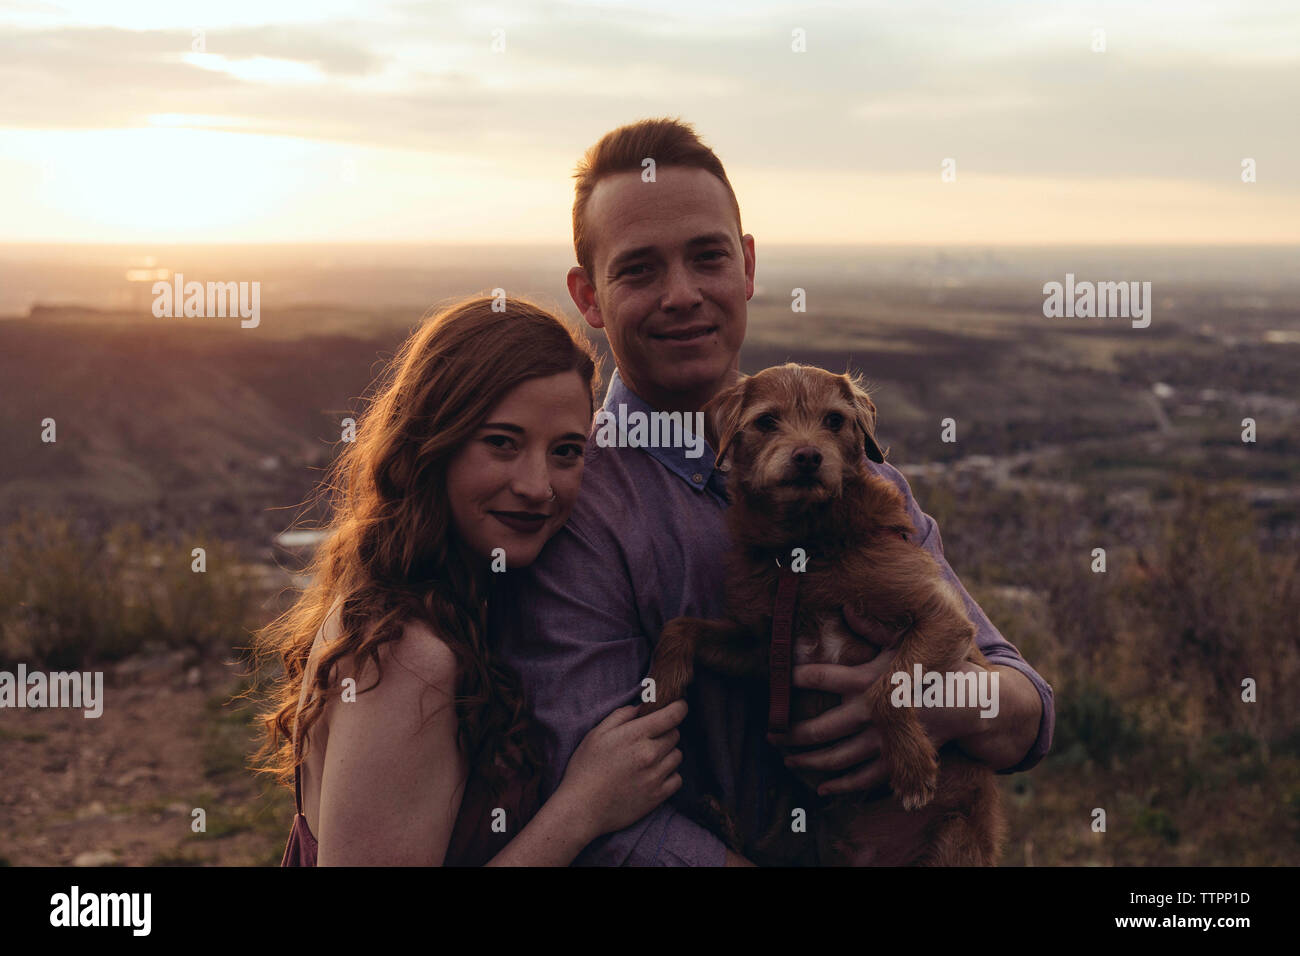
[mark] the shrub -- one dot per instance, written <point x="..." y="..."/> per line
<point x="1089" y="717"/>
<point x="70" y="598"/>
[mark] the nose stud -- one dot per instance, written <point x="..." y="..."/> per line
<point x="552" y="491"/>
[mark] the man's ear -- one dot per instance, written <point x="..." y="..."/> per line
<point x="864" y="418"/>
<point x="583" y="293"/>
<point x="722" y="415"/>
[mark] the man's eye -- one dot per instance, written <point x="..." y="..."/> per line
<point x="834" y="421"/>
<point x="765" y="422"/>
<point x="717" y="253"/>
<point x="628" y="270"/>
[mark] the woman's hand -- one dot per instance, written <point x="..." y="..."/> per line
<point x="624" y="768"/>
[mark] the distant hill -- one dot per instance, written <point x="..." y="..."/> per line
<point x="173" y="417"/>
<point x="178" y="422"/>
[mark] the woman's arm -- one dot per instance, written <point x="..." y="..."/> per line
<point x="624" y="768"/>
<point x="552" y="838"/>
<point x="393" y="776"/>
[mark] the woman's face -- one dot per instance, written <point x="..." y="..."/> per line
<point x="500" y="482"/>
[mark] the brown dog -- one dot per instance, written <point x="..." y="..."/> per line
<point x="795" y="436"/>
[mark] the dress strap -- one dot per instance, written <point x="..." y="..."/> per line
<point x="297" y="771"/>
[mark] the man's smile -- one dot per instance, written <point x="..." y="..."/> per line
<point x="689" y="334"/>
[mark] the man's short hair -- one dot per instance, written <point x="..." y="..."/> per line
<point x="669" y="142"/>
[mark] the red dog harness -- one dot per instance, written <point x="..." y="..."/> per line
<point x="778" y="699"/>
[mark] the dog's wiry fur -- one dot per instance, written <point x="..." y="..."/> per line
<point x="794" y="439"/>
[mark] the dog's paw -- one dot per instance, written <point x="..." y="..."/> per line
<point x="915" y="786"/>
<point x="917" y="799"/>
<point x="671" y="671"/>
<point x="670" y="679"/>
<point x="668" y="687"/>
<point x="650" y="706"/>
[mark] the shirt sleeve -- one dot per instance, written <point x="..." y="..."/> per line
<point x="573" y="631"/>
<point x="991" y="643"/>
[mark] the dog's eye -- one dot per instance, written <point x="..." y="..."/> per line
<point x="834" y="421"/>
<point x="765" y="422"/>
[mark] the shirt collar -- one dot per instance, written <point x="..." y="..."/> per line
<point x="699" y="473"/>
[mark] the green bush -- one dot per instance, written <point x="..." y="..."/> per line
<point x="70" y="598"/>
<point x="1090" y="718"/>
<point x="1158" y="823"/>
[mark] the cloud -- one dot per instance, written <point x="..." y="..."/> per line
<point x="1007" y="90"/>
<point x="333" y="52"/>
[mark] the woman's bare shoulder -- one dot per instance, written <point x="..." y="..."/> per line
<point x="417" y="658"/>
<point x="424" y="655"/>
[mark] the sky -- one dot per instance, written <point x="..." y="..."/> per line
<point x="268" y="121"/>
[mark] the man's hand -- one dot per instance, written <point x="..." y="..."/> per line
<point x="846" y="739"/>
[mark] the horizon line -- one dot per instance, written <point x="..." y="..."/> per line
<point x="460" y="244"/>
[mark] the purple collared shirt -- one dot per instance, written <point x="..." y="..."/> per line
<point x="645" y="544"/>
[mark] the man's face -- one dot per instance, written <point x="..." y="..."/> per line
<point x="672" y="279"/>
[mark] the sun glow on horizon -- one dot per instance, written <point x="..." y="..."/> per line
<point x="228" y="121"/>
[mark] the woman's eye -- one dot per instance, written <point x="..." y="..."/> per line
<point x="500" y="441"/>
<point x="834" y="421"/>
<point x="570" y="452"/>
<point x="765" y="423"/>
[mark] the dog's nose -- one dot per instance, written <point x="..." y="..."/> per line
<point x="807" y="459"/>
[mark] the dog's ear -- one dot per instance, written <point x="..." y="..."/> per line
<point x="864" y="419"/>
<point x="722" y="414"/>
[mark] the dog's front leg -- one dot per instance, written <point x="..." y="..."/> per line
<point x="907" y="749"/>
<point x="720" y="645"/>
<point x="730" y="649"/>
<point x="674" y="663"/>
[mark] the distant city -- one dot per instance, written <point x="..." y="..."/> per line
<point x="366" y="276"/>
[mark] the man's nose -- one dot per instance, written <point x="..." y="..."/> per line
<point x="682" y="291"/>
<point x="807" y="459"/>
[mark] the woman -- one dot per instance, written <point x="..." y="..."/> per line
<point x="415" y="744"/>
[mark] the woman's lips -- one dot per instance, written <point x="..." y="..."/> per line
<point x="520" y="521"/>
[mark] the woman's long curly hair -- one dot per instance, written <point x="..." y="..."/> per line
<point x="392" y="554"/>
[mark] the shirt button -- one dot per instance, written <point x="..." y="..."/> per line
<point x="697" y="478"/>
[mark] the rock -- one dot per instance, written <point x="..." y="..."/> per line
<point x="134" y="775"/>
<point x="152" y="668"/>
<point x="93" y="809"/>
<point x="96" y="858"/>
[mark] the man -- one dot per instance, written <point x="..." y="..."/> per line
<point x="665" y="270"/>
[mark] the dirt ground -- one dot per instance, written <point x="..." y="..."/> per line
<point x="121" y="789"/>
